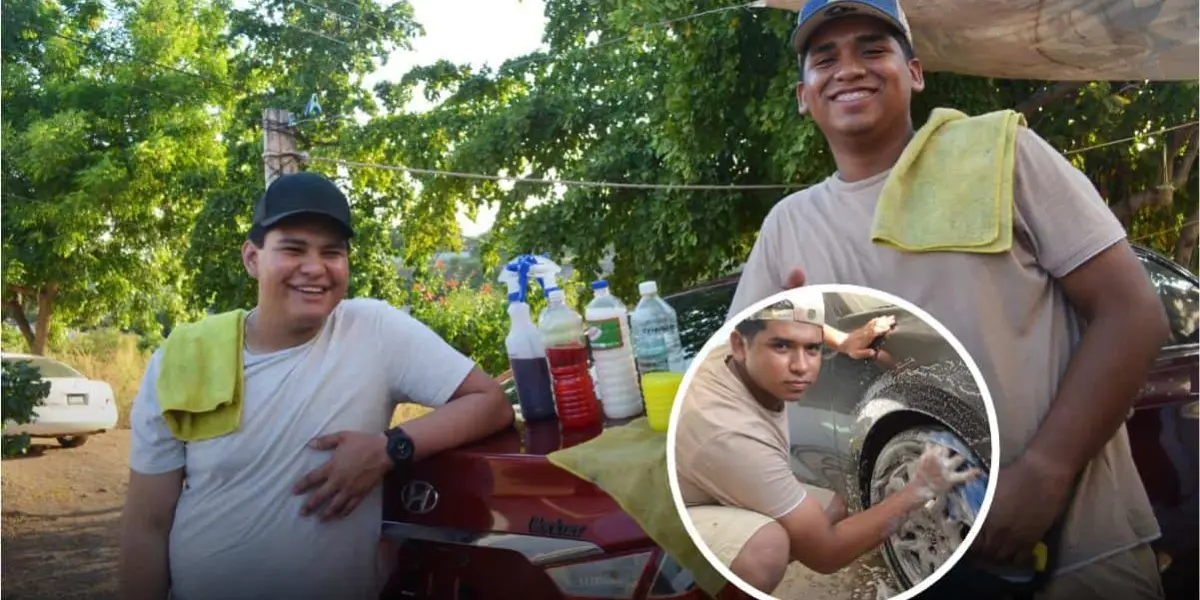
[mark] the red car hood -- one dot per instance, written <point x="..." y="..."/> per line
<point x="505" y="484"/>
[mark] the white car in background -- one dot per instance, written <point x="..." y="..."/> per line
<point x="76" y="407"/>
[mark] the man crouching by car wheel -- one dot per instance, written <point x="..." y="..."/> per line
<point x="732" y="461"/>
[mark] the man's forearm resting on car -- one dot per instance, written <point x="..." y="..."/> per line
<point x="144" y="569"/>
<point x="476" y="410"/>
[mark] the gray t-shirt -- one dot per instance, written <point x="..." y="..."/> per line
<point x="238" y="533"/>
<point x="1008" y="310"/>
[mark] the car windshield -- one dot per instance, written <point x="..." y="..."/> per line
<point x="701" y="313"/>
<point x="48" y="368"/>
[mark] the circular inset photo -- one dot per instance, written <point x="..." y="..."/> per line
<point x="832" y="442"/>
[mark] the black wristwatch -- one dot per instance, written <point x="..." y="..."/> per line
<point x="399" y="447"/>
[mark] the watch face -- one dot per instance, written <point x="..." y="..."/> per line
<point x="401" y="448"/>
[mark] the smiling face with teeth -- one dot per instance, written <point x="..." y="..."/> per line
<point x="302" y="270"/>
<point x="858" y="82"/>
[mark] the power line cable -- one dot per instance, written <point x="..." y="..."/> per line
<point x="1167" y="230"/>
<point x="640" y="186"/>
<point x="564" y="182"/>
<point x="135" y="58"/>
<point x="1130" y="138"/>
<point x="643" y="27"/>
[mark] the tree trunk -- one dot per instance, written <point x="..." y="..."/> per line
<point x="1188" y="236"/>
<point x="1175" y="171"/>
<point x="1048" y="95"/>
<point x="45" y="304"/>
<point x="16" y="310"/>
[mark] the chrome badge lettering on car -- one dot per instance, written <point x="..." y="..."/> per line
<point x="419" y="497"/>
<point x="540" y="526"/>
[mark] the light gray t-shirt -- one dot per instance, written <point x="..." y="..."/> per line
<point x="238" y="533"/>
<point x="1008" y="310"/>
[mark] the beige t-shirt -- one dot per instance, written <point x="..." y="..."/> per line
<point x="1008" y="310"/>
<point x="729" y="449"/>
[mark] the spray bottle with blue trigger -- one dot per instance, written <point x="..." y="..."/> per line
<point x="526" y="351"/>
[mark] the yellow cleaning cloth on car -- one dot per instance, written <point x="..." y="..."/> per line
<point x="952" y="188"/>
<point x="629" y="463"/>
<point x="200" y="377"/>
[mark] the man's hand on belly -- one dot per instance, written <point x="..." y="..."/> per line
<point x="358" y="464"/>
<point x="1030" y="494"/>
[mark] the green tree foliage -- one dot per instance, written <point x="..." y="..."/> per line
<point x="22" y="390"/>
<point x="284" y="52"/>
<point x="109" y="148"/>
<point x="133" y="136"/>
<point x="711" y="100"/>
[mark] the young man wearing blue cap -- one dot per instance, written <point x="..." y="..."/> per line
<point x="286" y="502"/>
<point x="1064" y="325"/>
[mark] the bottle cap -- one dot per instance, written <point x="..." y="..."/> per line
<point x="648" y="287"/>
<point x="600" y="285"/>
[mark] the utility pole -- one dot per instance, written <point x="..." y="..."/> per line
<point x="280" y="156"/>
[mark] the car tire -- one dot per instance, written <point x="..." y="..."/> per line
<point x="72" y="441"/>
<point x="929" y="537"/>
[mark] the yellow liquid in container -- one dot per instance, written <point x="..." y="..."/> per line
<point x="658" y="391"/>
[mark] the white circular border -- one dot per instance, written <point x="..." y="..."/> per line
<point x="723" y="333"/>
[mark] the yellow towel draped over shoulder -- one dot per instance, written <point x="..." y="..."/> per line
<point x="200" y="377"/>
<point x="952" y="188"/>
<point x="629" y="463"/>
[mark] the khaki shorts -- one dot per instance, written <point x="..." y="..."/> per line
<point x="1129" y="575"/>
<point x="725" y="529"/>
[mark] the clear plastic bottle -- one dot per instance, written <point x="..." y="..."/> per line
<point x="612" y="353"/>
<point x="527" y="358"/>
<point x="655" y="333"/>
<point x="566" y="348"/>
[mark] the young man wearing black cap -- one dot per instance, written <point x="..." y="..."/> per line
<point x="733" y="462"/>
<point x="287" y="504"/>
<point x="1061" y="389"/>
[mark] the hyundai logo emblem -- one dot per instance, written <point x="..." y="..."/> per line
<point x="419" y="497"/>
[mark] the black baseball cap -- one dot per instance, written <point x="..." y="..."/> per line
<point x="818" y="12"/>
<point x="302" y="193"/>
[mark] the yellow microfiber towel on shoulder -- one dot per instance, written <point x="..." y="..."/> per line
<point x="200" y="377"/>
<point x="952" y="188"/>
<point x="629" y="463"/>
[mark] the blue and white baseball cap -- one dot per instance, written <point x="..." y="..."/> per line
<point x="818" y="12"/>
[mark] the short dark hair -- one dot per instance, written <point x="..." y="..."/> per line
<point x="748" y="328"/>
<point x="257" y="235"/>
<point x="906" y="49"/>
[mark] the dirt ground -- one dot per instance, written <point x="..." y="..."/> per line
<point x="62" y="512"/>
<point x="865" y="579"/>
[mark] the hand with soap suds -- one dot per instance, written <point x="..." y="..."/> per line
<point x="937" y="472"/>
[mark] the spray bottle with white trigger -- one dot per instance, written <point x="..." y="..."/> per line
<point x="526" y="352"/>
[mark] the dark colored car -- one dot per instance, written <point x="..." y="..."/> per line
<point x="480" y="521"/>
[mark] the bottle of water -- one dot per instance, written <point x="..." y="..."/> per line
<point x="612" y="354"/>
<point x="656" y="333"/>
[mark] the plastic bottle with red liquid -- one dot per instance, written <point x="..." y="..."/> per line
<point x="566" y="348"/>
